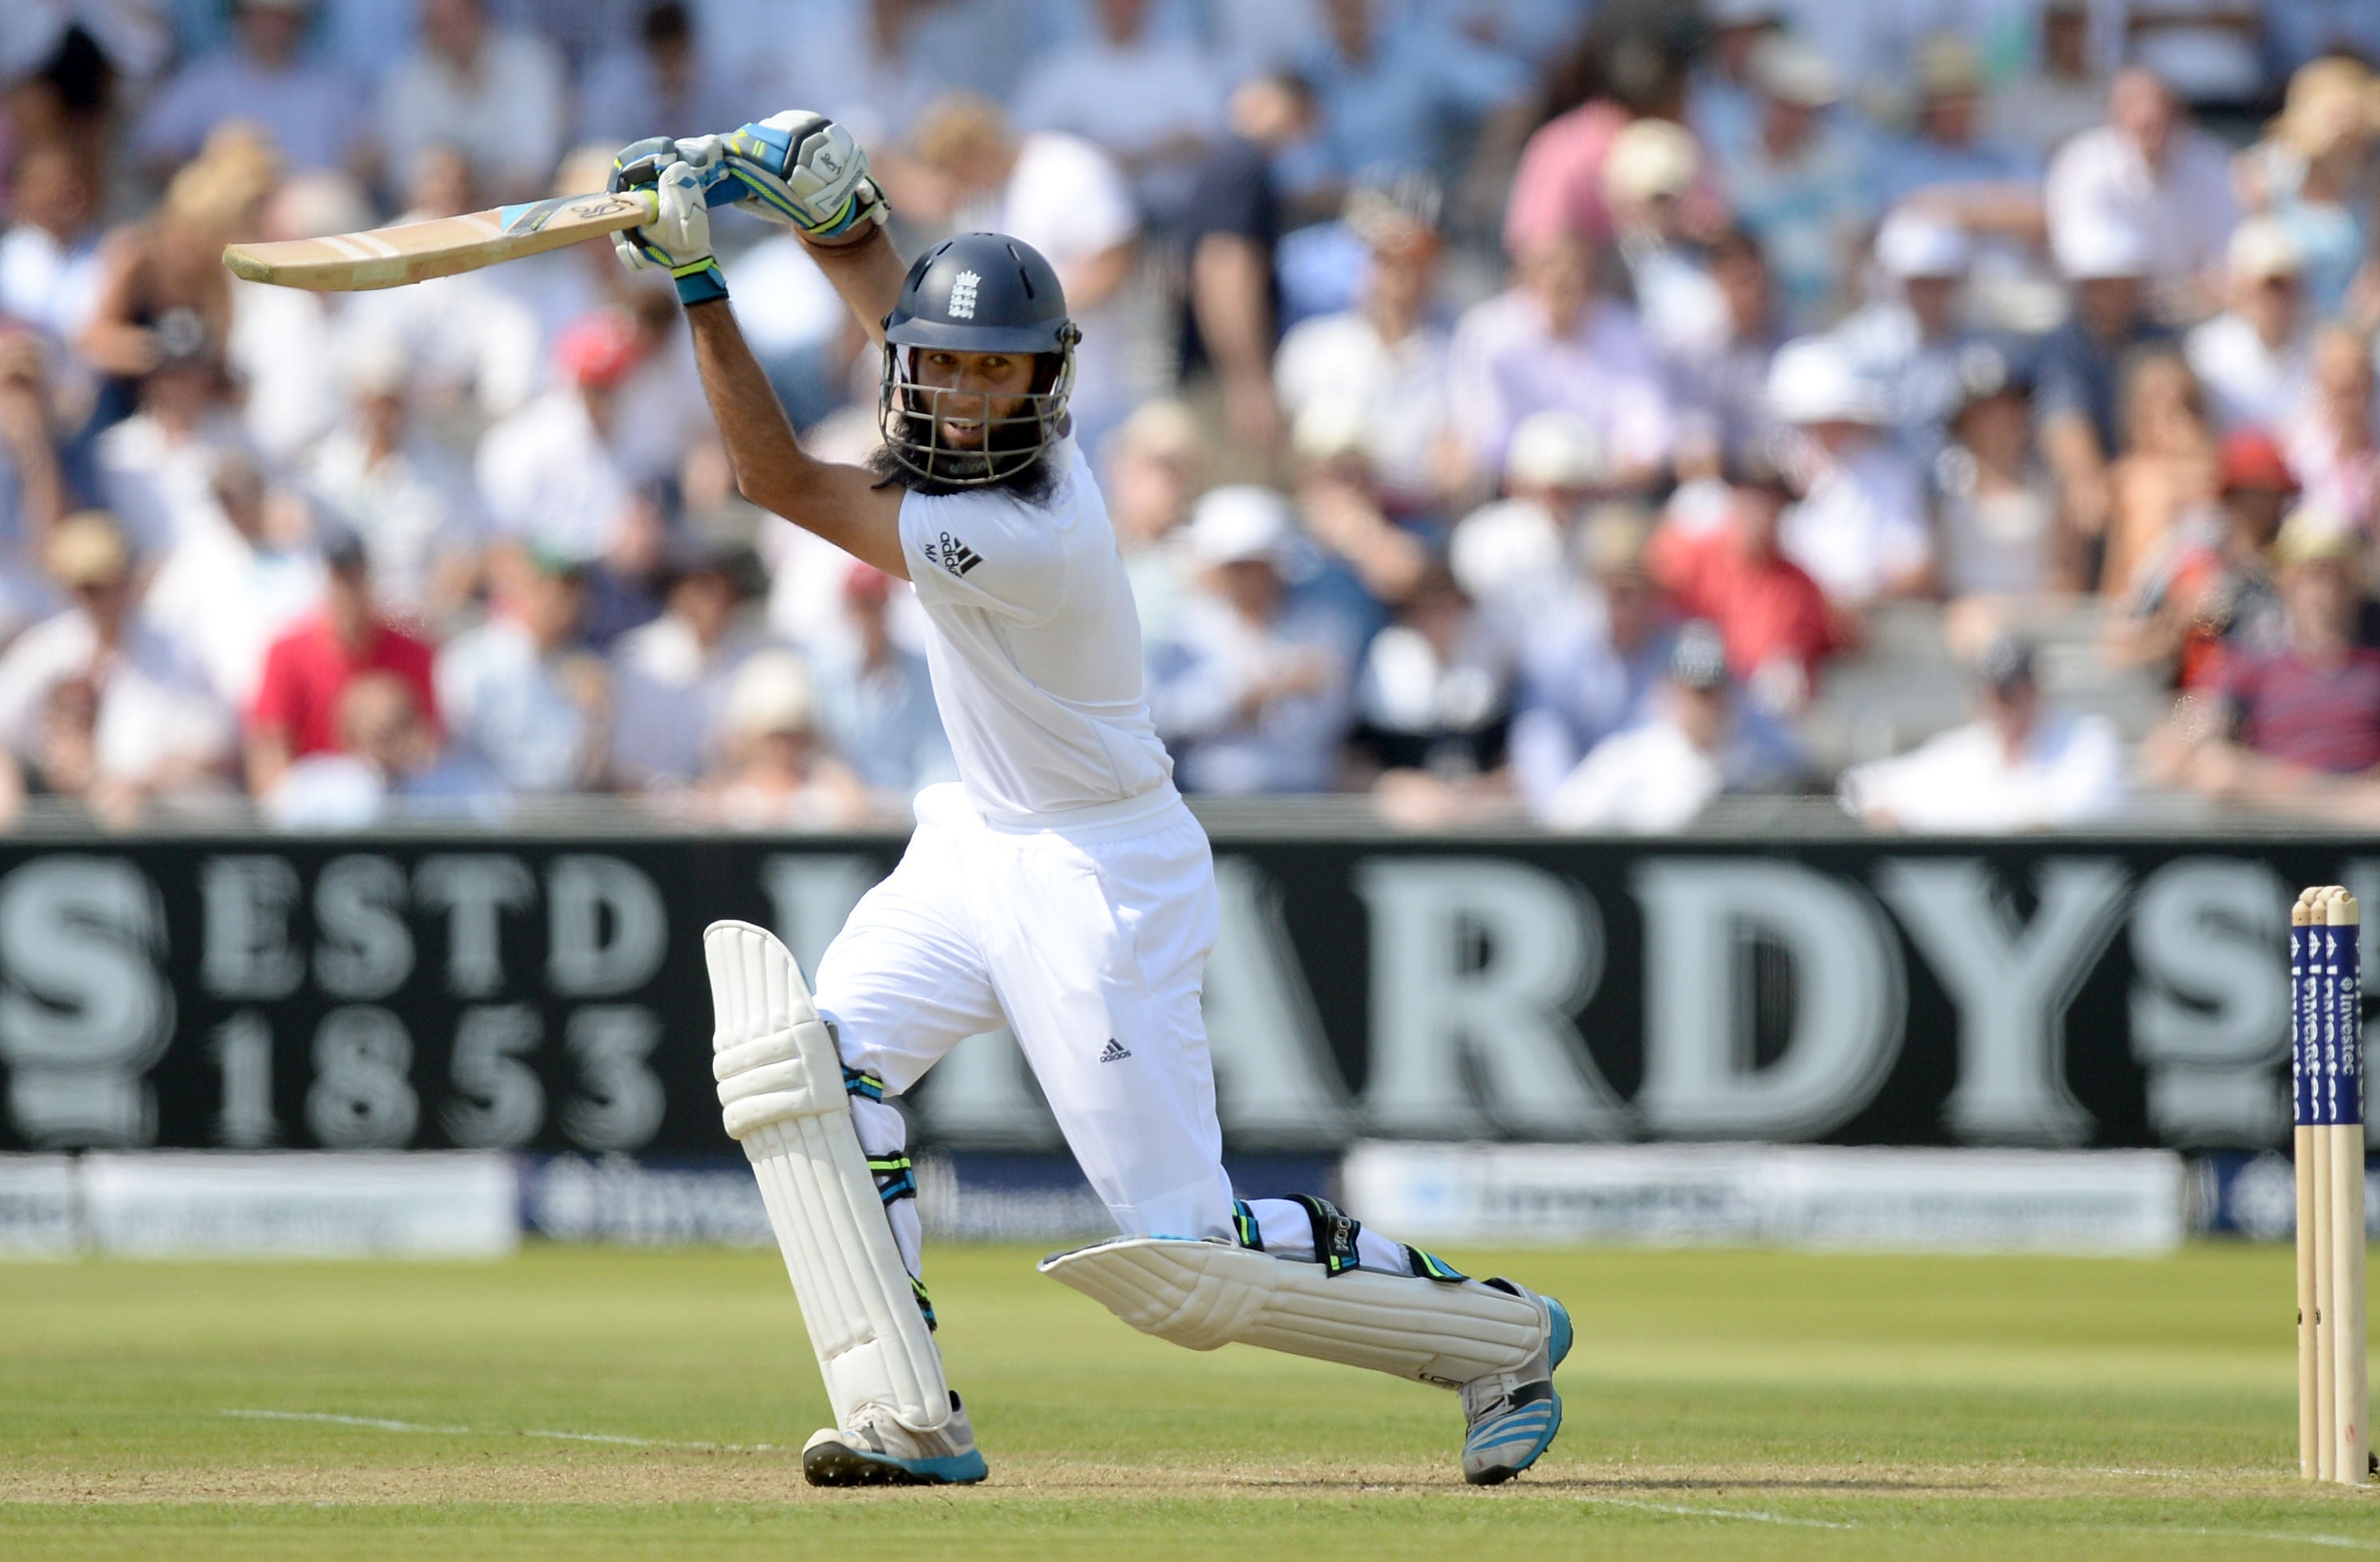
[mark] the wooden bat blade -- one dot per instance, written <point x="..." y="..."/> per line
<point x="357" y="262"/>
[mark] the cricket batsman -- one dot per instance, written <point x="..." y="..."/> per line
<point x="1058" y="887"/>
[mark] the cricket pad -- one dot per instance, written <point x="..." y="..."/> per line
<point x="781" y="1088"/>
<point x="1204" y="1295"/>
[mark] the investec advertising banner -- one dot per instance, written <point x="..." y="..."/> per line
<point x="550" y="995"/>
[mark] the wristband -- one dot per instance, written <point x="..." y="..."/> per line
<point x="699" y="283"/>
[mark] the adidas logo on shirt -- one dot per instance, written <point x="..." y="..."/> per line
<point x="1112" y="1052"/>
<point x="952" y="554"/>
<point x="963" y="294"/>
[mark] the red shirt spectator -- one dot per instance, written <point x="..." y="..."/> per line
<point x="1769" y="613"/>
<point x="295" y="711"/>
<point x="306" y="670"/>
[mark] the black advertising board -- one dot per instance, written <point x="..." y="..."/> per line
<point x="548" y="995"/>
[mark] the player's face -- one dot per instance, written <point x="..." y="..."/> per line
<point x="979" y="390"/>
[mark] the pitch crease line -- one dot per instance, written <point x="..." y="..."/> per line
<point x="1748" y="1514"/>
<point x="376" y="1423"/>
<point x="381" y="1423"/>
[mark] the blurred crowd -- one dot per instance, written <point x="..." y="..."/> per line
<point x="1564" y="409"/>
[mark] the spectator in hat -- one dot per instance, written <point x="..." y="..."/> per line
<point x="2168" y="471"/>
<point x="1322" y="266"/>
<point x="876" y="702"/>
<point x="1519" y="544"/>
<point x="1719" y="387"/>
<point x="1954" y="166"/>
<point x="2254" y="358"/>
<point x="2208" y="596"/>
<point x="1995" y="512"/>
<point x="1912" y="341"/>
<point x="2312" y="176"/>
<point x="669" y="678"/>
<point x="2078" y="366"/>
<point x="1252" y="694"/>
<point x="2150" y="171"/>
<point x="1649" y="181"/>
<point x="1859" y="527"/>
<point x="308" y="669"/>
<point x="391" y="762"/>
<point x="547" y="474"/>
<point x="2333" y="435"/>
<point x="521" y="693"/>
<point x="1588" y="652"/>
<point x="2061" y="92"/>
<point x="235" y="581"/>
<point x="412" y="504"/>
<point x="2285" y="723"/>
<point x="2021" y="765"/>
<point x="776" y="771"/>
<point x="1773" y="621"/>
<point x="306" y="106"/>
<point x="496" y="93"/>
<point x="1384" y="360"/>
<point x="1802" y="185"/>
<point x="1555" y="342"/>
<point x="1235" y="218"/>
<point x="149" y="721"/>
<point x="1654" y="779"/>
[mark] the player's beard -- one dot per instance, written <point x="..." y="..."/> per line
<point x="950" y="471"/>
<point x="934" y="465"/>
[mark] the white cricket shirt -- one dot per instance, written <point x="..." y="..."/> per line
<point x="1034" y="646"/>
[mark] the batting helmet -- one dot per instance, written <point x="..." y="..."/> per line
<point x="977" y="293"/>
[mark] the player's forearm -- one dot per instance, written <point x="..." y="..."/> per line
<point x="771" y="469"/>
<point x="867" y="274"/>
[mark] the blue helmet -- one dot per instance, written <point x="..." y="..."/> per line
<point x="977" y="293"/>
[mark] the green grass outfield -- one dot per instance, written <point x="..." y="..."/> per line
<point x="589" y="1403"/>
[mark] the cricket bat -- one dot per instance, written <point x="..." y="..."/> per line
<point x="355" y="262"/>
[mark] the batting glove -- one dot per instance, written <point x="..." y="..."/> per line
<point x="797" y="168"/>
<point x="678" y="239"/>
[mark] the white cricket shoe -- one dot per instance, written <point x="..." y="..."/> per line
<point x="1514" y="1415"/>
<point x="882" y="1452"/>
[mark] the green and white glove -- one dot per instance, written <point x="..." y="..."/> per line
<point x="678" y="239"/>
<point x="798" y="168"/>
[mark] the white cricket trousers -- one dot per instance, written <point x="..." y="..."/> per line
<point x="1090" y="942"/>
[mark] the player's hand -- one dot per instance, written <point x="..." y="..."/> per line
<point x="678" y="239"/>
<point x="640" y="164"/>
<point x="798" y="168"/>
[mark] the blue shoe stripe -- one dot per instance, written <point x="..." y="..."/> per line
<point x="1503" y="1432"/>
<point x="1529" y="1430"/>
